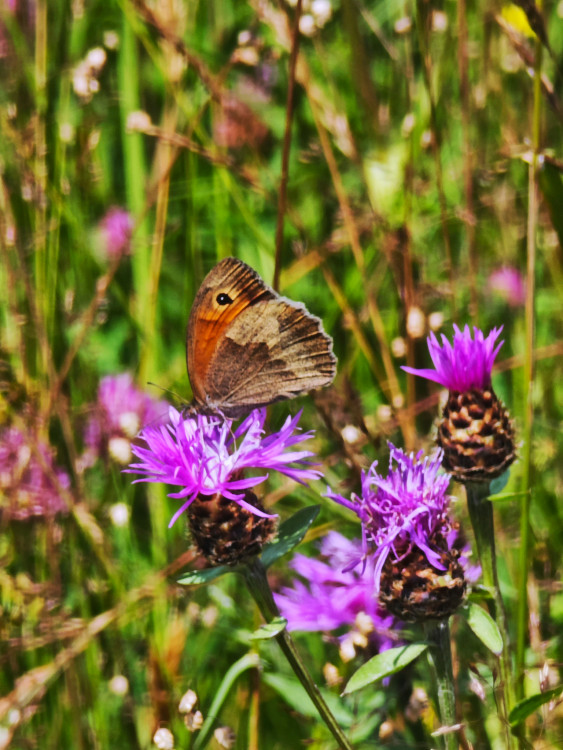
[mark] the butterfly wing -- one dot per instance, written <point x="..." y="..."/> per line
<point x="256" y="348"/>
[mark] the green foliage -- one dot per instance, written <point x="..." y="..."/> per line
<point x="484" y="627"/>
<point x="530" y="705"/>
<point x="383" y="665"/>
<point x="290" y="534"/>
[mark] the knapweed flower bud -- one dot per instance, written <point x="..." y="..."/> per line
<point x="163" y="739"/>
<point x="188" y="702"/>
<point x="193" y="721"/>
<point x="119" y="685"/>
<point x="476" y="432"/>
<point x="225" y="737"/>
<point x="236" y="125"/>
<point x="207" y="457"/>
<point x="226" y="533"/>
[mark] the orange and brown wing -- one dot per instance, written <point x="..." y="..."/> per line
<point x="249" y="347"/>
<point x="276" y="350"/>
<point x="225" y="292"/>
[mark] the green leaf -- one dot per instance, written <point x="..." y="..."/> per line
<point x="248" y="661"/>
<point x="290" y="534"/>
<point x="504" y="496"/>
<point x="383" y="665"/>
<point x="295" y="695"/>
<point x="497" y="485"/>
<point x="195" y="577"/>
<point x="551" y="185"/>
<point x="526" y="707"/>
<point x="270" y="630"/>
<point x="484" y="627"/>
<point x="480" y="593"/>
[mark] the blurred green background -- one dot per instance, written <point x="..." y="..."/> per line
<point x="416" y="127"/>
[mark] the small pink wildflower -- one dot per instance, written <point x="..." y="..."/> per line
<point x="30" y="484"/>
<point x="508" y="283"/>
<point x="122" y="410"/>
<point x="116" y="229"/>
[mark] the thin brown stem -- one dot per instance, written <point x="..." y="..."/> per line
<point x="87" y="321"/>
<point x="388" y="384"/>
<point x="423" y="29"/>
<point x="164" y="157"/>
<point x="287" y="143"/>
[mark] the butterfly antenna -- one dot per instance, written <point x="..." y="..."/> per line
<point x="172" y="393"/>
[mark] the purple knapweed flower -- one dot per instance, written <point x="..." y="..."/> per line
<point x="30" y="483"/>
<point x="465" y="365"/>
<point x="334" y="596"/>
<point x="508" y="283"/>
<point x="206" y="456"/>
<point x="475" y="433"/>
<point x="404" y="510"/>
<point x="122" y="410"/>
<point x="116" y="229"/>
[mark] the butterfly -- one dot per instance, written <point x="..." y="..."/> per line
<point x="248" y="347"/>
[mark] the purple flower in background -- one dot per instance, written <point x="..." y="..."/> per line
<point x="116" y="229"/>
<point x="334" y="596"/>
<point x="24" y="14"/>
<point x="122" y="410"/>
<point x="404" y="510"/>
<point x="508" y="283"/>
<point x="30" y="483"/>
<point x="206" y="456"/>
<point x="465" y="365"/>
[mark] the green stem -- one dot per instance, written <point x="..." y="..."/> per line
<point x="135" y="174"/>
<point x="481" y="514"/>
<point x="40" y="166"/>
<point x="440" y="655"/>
<point x="526" y="462"/>
<point x="255" y="576"/>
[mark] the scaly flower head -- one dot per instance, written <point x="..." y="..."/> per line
<point x="465" y="365"/>
<point x="403" y="510"/>
<point x="407" y="533"/>
<point x="476" y="433"/>
<point x="30" y="482"/>
<point x="333" y="595"/>
<point x="206" y="456"/>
